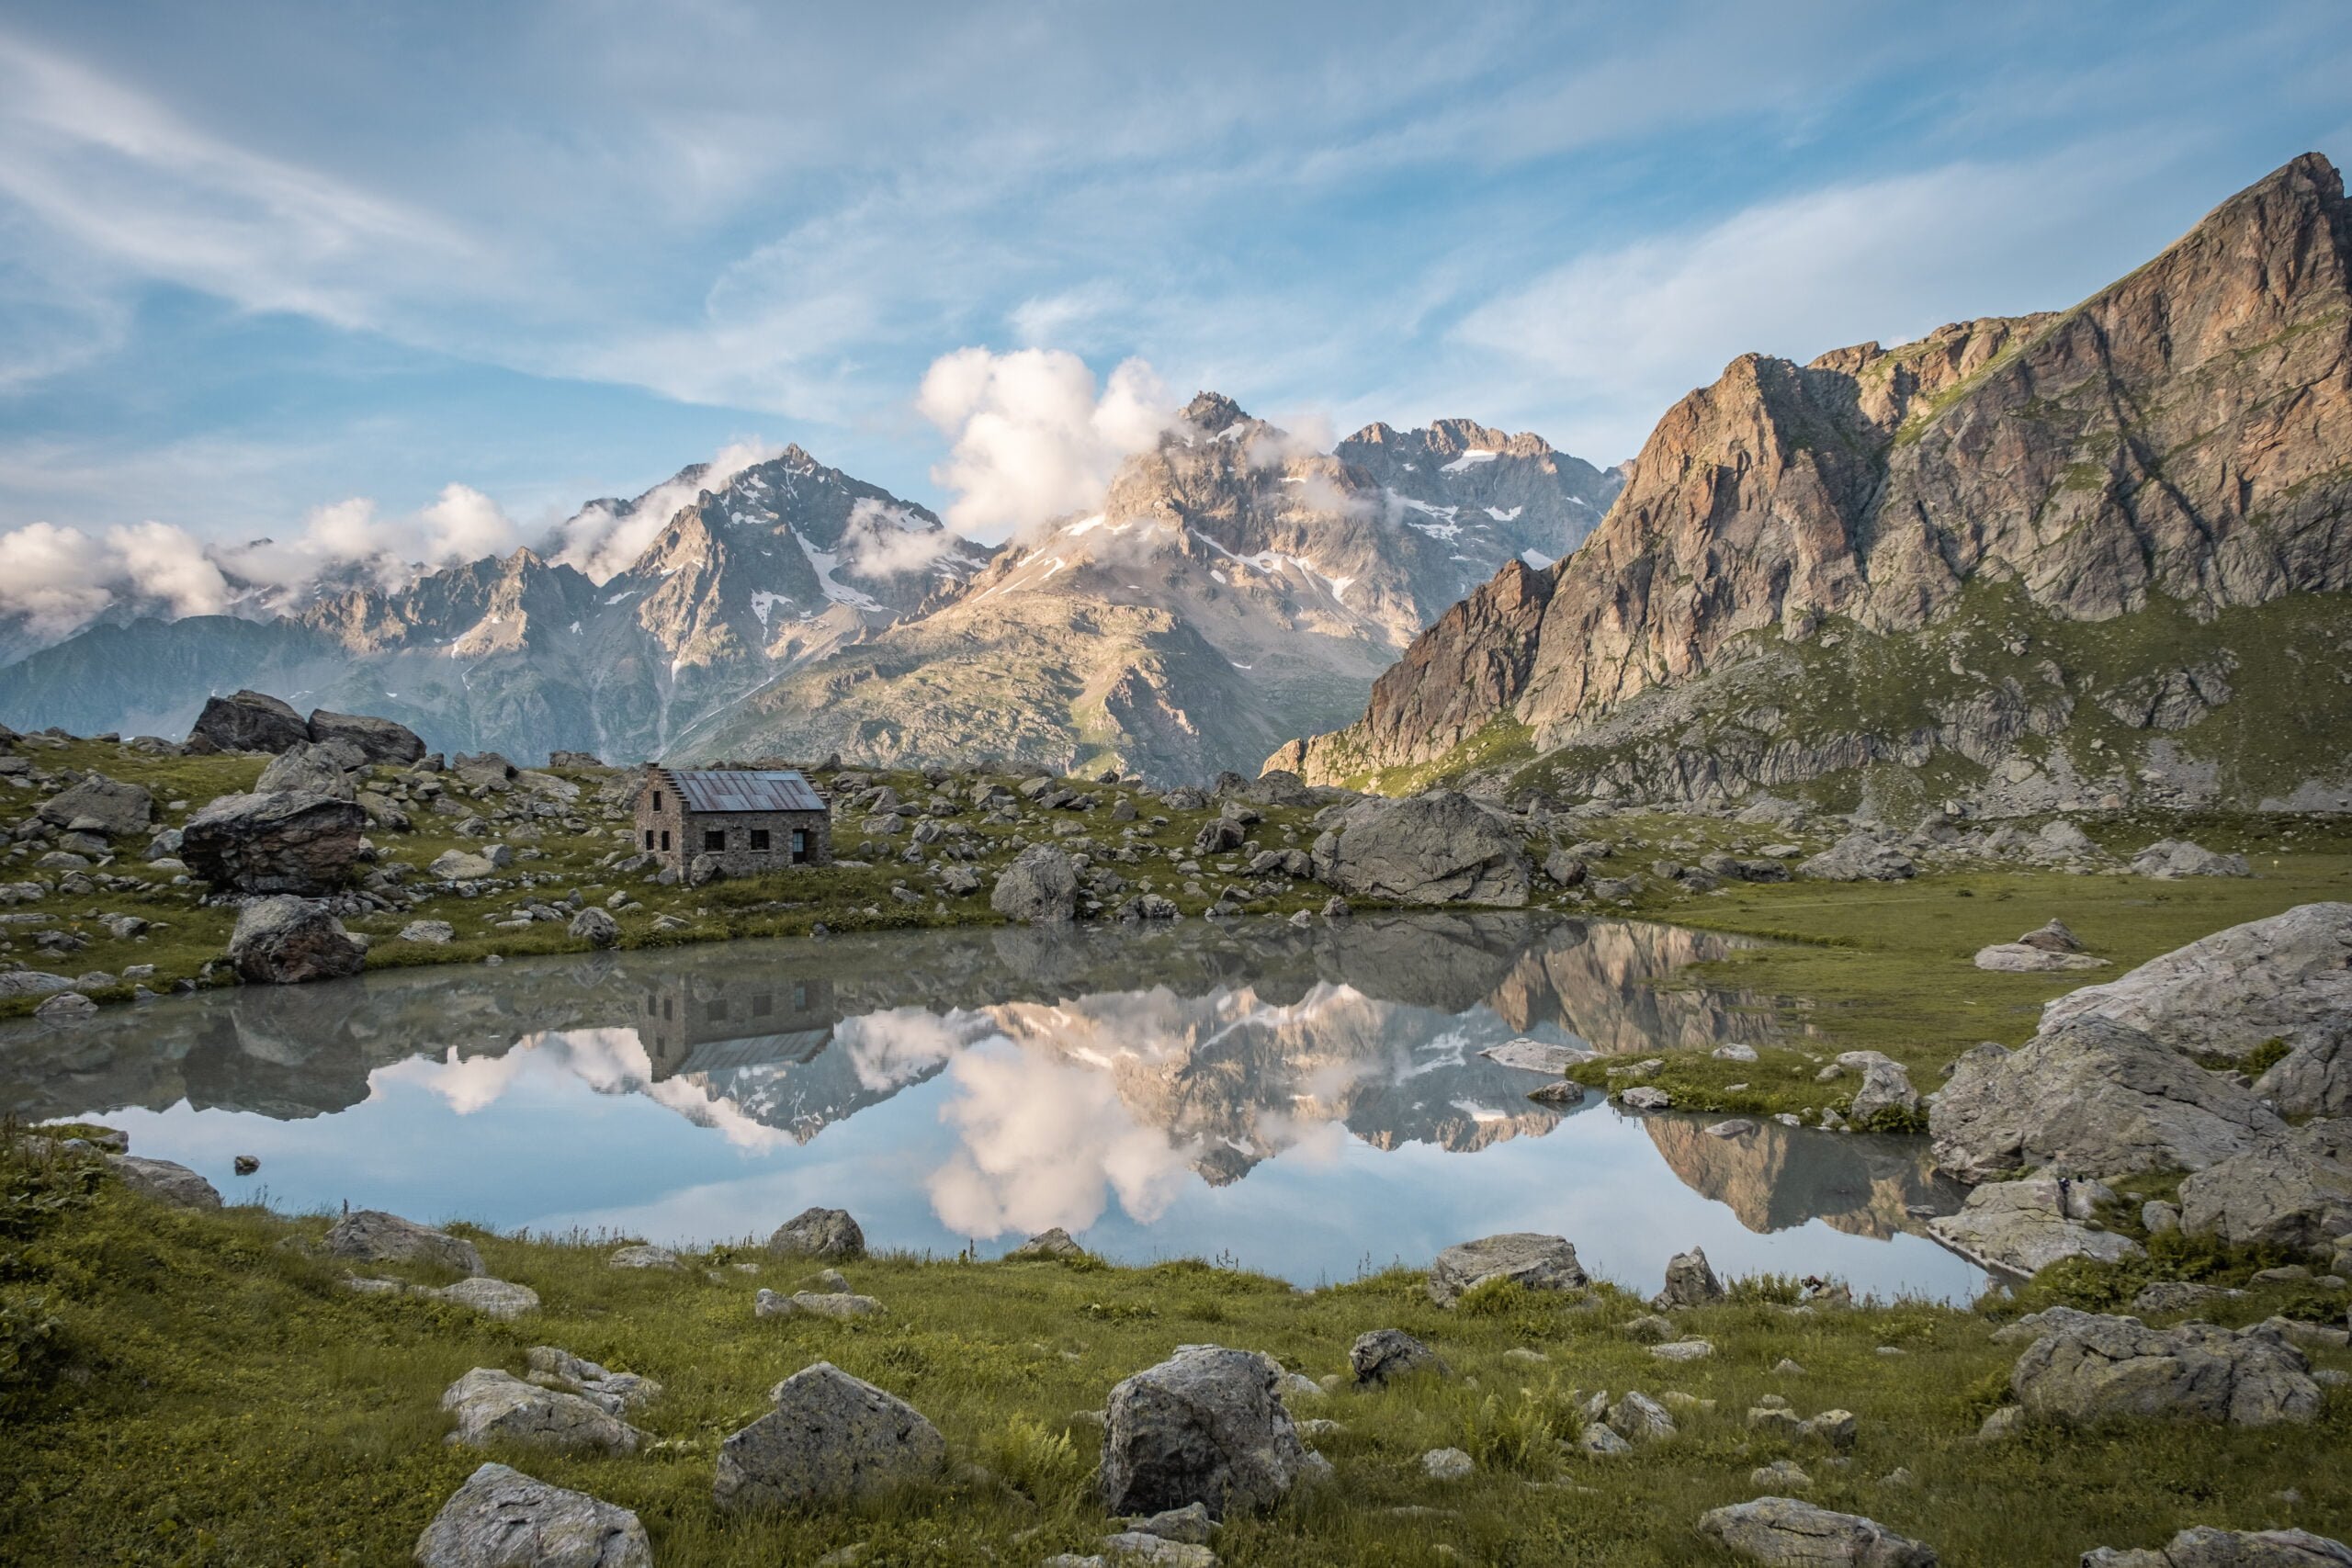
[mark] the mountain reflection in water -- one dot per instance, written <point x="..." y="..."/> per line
<point x="987" y="1085"/>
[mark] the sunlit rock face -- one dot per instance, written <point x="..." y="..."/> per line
<point x="1778" y="1177"/>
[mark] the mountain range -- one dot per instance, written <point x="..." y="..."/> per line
<point x="1237" y="588"/>
<point x="2092" y="556"/>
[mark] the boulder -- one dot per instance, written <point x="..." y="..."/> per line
<point x="1886" y="1088"/>
<point x="1040" y="888"/>
<point x="290" y="942"/>
<point x="2105" y="1097"/>
<point x="503" y="1519"/>
<point x="831" y="1438"/>
<point x="2022" y="1226"/>
<point x="1524" y="1257"/>
<point x="285" y="842"/>
<point x="99" y="805"/>
<point x="1206" y="1425"/>
<point x="595" y="927"/>
<point x="2089" y="1366"/>
<point x="2312" y="1080"/>
<point x="2024" y="958"/>
<point x="617" y="1391"/>
<point x="2206" y="1547"/>
<point x="164" y="1181"/>
<point x="1439" y="848"/>
<point x="1389" y="1353"/>
<point x="2169" y="858"/>
<point x="461" y="865"/>
<point x="2294" y="1190"/>
<point x="307" y="769"/>
<point x="495" y="1407"/>
<point x="1056" y="1243"/>
<point x="2287" y="977"/>
<point x="1689" y="1281"/>
<point x="247" y="721"/>
<point x="500" y="1299"/>
<point x="483" y="771"/>
<point x="1790" y="1532"/>
<point x="1858" y="857"/>
<point x="371" y="1236"/>
<point x="1638" y="1418"/>
<point x="433" y="932"/>
<point x="378" y="739"/>
<point x="641" y="1255"/>
<point x="829" y="1235"/>
<point x="836" y="1305"/>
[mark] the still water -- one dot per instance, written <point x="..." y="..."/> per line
<point x="1307" y="1102"/>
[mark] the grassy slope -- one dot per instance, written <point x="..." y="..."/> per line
<point x="210" y="1396"/>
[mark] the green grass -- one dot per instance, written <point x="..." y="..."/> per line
<point x="207" y="1393"/>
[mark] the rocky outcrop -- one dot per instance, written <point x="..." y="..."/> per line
<point x="2170" y="858"/>
<point x="1530" y="1261"/>
<point x="503" y="1519"/>
<point x="495" y="1408"/>
<point x="2206" y="1547"/>
<point x="831" y="1438"/>
<point x="1040" y="888"/>
<point x="371" y="1236"/>
<point x="1858" y="857"/>
<point x="1206" y="1425"/>
<point x="1689" y="1281"/>
<point x="290" y="942"/>
<point x="2087" y="1367"/>
<point x="378" y="739"/>
<point x="287" y="842"/>
<point x="306" y="769"/>
<point x="164" y="1181"/>
<point x="247" y="721"/>
<point x="2287" y="977"/>
<point x="1440" y="848"/>
<point x="828" y="1235"/>
<point x="1793" y="1534"/>
<point x="2023" y="1227"/>
<point x="2292" y="1191"/>
<point x="2127" y="453"/>
<point x="2097" y="1096"/>
<point x="99" y="805"/>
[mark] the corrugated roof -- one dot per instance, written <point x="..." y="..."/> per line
<point x="731" y="789"/>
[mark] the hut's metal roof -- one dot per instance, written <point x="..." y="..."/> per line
<point x="732" y="789"/>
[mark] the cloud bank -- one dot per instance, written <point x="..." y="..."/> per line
<point x="1034" y="436"/>
<point x="605" y="537"/>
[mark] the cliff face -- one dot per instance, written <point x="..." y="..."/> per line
<point x="2180" y="439"/>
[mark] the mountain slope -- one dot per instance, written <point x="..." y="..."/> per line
<point x="1235" y="587"/>
<point x="1959" y="551"/>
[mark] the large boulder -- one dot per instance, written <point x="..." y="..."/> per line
<point x="503" y="1519"/>
<point x="287" y="842"/>
<point x="1689" y="1281"/>
<point x="2312" y="1080"/>
<point x="1524" y="1257"/>
<point x="1858" y="857"/>
<point x="2294" y="1191"/>
<point x="2170" y="858"/>
<point x="1786" y="1530"/>
<point x="495" y="1407"/>
<point x="379" y="739"/>
<point x="247" y="721"/>
<point x="830" y="1236"/>
<point x="2089" y="1367"/>
<point x="2206" y="1547"/>
<point x="484" y="771"/>
<point x="1389" y="1353"/>
<point x="1440" y="848"/>
<point x="371" y="1236"/>
<point x="164" y="1181"/>
<point x="2287" y="977"/>
<point x="289" y="942"/>
<point x="1206" y="1425"/>
<point x="2023" y="1227"/>
<point x="2100" y="1097"/>
<point x="119" y="810"/>
<point x="1039" y="887"/>
<point x="830" y="1437"/>
<point x="308" y="770"/>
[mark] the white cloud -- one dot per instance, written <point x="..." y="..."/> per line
<point x="1034" y="439"/>
<point x="602" y="541"/>
<point x="889" y="541"/>
<point x="461" y="525"/>
<point x="61" y="577"/>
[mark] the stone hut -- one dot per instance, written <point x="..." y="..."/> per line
<point x="747" y="820"/>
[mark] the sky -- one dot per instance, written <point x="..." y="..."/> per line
<point x="409" y="282"/>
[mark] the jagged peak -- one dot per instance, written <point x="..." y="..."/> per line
<point x="1213" y="412"/>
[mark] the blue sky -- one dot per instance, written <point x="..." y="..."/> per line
<point x="259" y="259"/>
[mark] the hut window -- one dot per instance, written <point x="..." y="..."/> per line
<point x="657" y="800"/>
<point x="714" y="838"/>
<point x="759" y="838"/>
<point x="649" y="837"/>
<point x="665" y="840"/>
<point x="799" y="845"/>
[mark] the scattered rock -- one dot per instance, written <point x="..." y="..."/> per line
<point x="497" y="1407"/>
<point x="500" y="1299"/>
<point x="1642" y="1097"/>
<point x="164" y="1181"/>
<point x="1205" y="1426"/>
<point x="1438" y="848"/>
<point x="285" y="842"/>
<point x="1782" y="1473"/>
<point x="287" y="940"/>
<point x="247" y="721"/>
<point x="1386" y="1354"/>
<point x="2292" y="1191"/>
<point x="378" y="739"/>
<point x="1638" y="1418"/>
<point x="1536" y="1056"/>
<point x="461" y="865"/>
<point x="1447" y="1464"/>
<point x="1683" y="1351"/>
<point x="2206" y="1547"/>
<point x="1189" y="1525"/>
<point x="435" y="932"/>
<point x="595" y="927"/>
<point x="1689" y="1283"/>
<point x="829" y="1235"/>
<point x="1040" y="888"/>
<point x="1858" y="857"/>
<point x="371" y="1236"/>
<point x="616" y="1392"/>
<point x="66" y="1007"/>
<point x="1535" y="1261"/>
<point x="503" y="1519"/>
<point x="1056" y="1243"/>
<point x="1736" y="1127"/>
<point x="2089" y="1367"/>
<point x="2170" y="858"/>
<point x="2023" y="958"/>
<point x="835" y="1304"/>
<point x="1886" y="1088"/>
<point x="1786" y="1530"/>
<point x="309" y="769"/>
<point x="2022" y="1226"/>
<point x="99" y="805"/>
<point x="1140" y="1546"/>
<point x="830" y="1436"/>
<point x="644" y="1257"/>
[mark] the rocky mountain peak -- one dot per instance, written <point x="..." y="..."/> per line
<point x="1213" y="414"/>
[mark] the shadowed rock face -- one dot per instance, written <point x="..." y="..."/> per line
<point x="1778" y="1177"/>
<point x="2181" y="435"/>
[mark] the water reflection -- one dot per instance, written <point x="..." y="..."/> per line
<point x="1283" y="1085"/>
